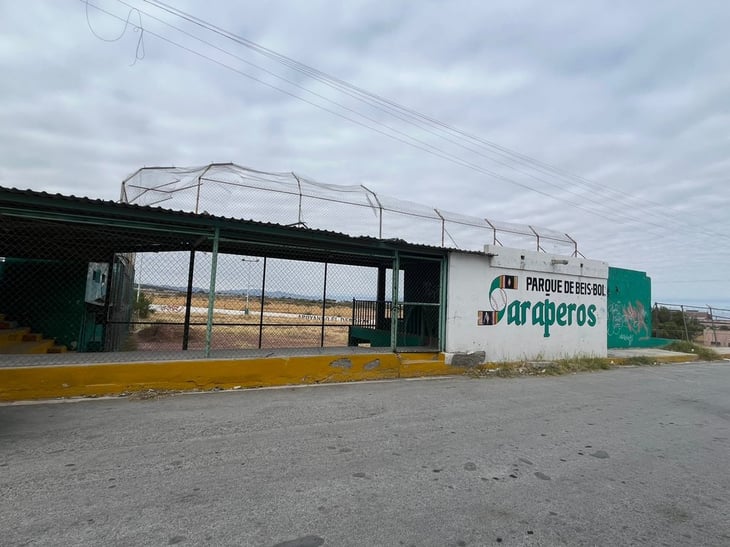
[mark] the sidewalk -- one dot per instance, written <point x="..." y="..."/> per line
<point x="98" y="374"/>
<point x="661" y="355"/>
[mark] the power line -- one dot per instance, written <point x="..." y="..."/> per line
<point x="139" y="52"/>
<point x="414" y="142"/>
<point x="394" y="108"/>
<point x="391" y="132"/>
<point x="682" y="281"/>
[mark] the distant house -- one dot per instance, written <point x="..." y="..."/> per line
<point x="718" y="336"/>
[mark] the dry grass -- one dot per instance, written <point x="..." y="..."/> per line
<point x="554" y="368"/>
<point x="704" y="353"/>
<point x="241" y="331"/>
<point x="231" y="302"/>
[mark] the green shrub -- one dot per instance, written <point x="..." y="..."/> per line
<point x="704" y="353"/>
<point x="671" y="324"/>
<point x="142" y="306"/>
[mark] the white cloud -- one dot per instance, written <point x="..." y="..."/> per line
<point x="631" y="96"/>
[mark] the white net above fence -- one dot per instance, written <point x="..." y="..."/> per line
<point x="289" y="199"/>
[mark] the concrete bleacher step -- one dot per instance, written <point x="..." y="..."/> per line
<point x="20" y="340"/>
<point x="32" y="337"/>
<point x="28" y="348"/>
<point x="11" y="336"/>
<point x="56" y="348"/>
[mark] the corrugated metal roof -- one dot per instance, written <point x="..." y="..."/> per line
<point x="62" y="203"/>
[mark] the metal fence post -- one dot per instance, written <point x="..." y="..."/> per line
<point x="188" y="300"/>
<point x="684" y="320"/>
<point x="494" y="230"/>
<point x="394" y="308"/>
<point x="443" y="227"/>
<point x="443" y="302"/>
<point x="380" y="210"/>
<point x="261" y="314"/>
<point x="110" y="285"/>
<point x="211" y="293"/>
<point x="324" y="305"/>
<point x="537" y="237"/>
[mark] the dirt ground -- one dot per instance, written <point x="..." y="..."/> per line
<point x="230" y="302"/>
<point x="302" y="328"/>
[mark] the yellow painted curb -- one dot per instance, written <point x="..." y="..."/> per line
<point x="414" y="365"/>
<point x="58" y="381"/>
<point x="97" y="379"/>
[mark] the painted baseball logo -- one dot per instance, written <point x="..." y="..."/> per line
<point x="497" y="299"/>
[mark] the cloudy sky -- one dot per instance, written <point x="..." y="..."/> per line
<point x="630" y="101"/>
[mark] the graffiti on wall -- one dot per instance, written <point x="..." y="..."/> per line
<point x="627" y="321"/>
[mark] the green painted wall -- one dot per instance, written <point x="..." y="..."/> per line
<point x="629" y="309"/>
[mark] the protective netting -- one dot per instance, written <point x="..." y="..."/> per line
<point x="289" y="199"/>
<point x="71" y="285"/>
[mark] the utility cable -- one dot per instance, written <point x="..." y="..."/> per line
<point x="406" y="138"/>
<point x="393" y="108"/>
<point x="139" y="52"/>
<point x="596" y="210"/>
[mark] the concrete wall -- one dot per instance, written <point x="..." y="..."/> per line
<point x="716" y="337"/>
<point x="514" y="305"/>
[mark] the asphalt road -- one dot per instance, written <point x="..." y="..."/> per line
<point x="635" y="456"/>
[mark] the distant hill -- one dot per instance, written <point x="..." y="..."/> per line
<point x="254" y="293"/>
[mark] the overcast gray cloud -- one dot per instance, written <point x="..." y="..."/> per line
<point x="632" y="96"/>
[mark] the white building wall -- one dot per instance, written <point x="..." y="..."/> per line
<point x="525" y="305"/>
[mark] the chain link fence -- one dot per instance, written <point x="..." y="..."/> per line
<point x="704" y="324"/>
<point x="268" y="303"/>
<point x="164" y="304"/>
<point x="272" y="303"/>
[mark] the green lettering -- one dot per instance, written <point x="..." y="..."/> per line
<point x="538" y="314"/>
<point x="571" y="309"/>
<point x="523" y="312"/>
<point x="549" y="317"/>
<point x="513" y="313"/>
<point x="547" y="313"/>
<point x="562" y="310"/>
<point x="592" y="315"/>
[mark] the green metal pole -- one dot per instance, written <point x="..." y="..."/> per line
<point x="394" y="303"/>
<point x="324" y="305"/>
<point x="443" y="285"/>
<point x="261" y="310"/>
<point x="211" y="293"/>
